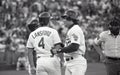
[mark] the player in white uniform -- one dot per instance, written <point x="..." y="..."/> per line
<point x="75" y="46"/>
<point x="42" y="40"/>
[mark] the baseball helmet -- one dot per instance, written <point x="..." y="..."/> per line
<point x="44" y="18"/>
<point x="70" y="15"/>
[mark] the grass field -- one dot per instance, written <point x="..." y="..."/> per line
<point x="93" y="69"/>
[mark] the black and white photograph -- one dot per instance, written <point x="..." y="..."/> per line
<point x="59" y="37"/>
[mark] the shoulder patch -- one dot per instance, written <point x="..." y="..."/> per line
<point x="75" y="37"/>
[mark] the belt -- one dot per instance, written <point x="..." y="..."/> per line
<point x="113" y="58"/>
<point x="70" y="58"/>
<point x="43" y="56"/>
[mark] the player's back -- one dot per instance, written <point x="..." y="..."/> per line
<point x="43" y="39"/>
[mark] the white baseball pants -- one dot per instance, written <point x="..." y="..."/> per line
<point x="77" y="66"/>
<point x="48" y="66"/>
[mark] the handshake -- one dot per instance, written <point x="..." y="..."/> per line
<point x="55" y="51"/>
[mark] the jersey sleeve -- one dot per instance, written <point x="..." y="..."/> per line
<point x="77" y="36"/>
<point x="56" y="37"/>
<point x="99" y="39"/>
<point x="30" y="42"/>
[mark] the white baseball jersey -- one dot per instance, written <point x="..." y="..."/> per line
<point x="43" y="39"/>
<point x="77" y="65"/>
<point x="75" y="35"/>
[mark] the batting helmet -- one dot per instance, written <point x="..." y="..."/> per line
<point x="70" y="15"/>
<point x="44" y="18"/>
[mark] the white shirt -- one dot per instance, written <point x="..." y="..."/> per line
<point x="43" y="39"/>
<point x="110" y="44"/>
<point x="75" y="35"/>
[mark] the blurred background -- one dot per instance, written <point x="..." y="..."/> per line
<point x="93" y="17"/>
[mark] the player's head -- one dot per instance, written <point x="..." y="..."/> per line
<point x="33" y="25"/>
<point x="114" y="26"/>
<point x="44" y="18"/>
<point x="70" y="16"/>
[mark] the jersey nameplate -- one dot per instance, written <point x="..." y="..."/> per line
<point x="40" y="33"/>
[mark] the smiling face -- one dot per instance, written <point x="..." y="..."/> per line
<point x="69" y="18"/>
<point x="68" y="23"/>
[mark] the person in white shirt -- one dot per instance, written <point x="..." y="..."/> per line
<point x="42" y="40"/>
<point x="107" y="44"/>
<point x="74" y="49"/>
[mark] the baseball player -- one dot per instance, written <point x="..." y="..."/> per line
<point x="74" y="49"/>
<point x="42" y="40"/>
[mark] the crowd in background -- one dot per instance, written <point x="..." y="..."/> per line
<point x="93" y="17"/>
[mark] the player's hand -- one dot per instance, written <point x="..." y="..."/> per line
<point x="33" y="71"/>
<point x="53" y="51"/>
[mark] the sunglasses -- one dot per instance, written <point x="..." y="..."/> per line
<point x="67" y="18"/>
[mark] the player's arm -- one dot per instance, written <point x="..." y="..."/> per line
<point x="60" y="55"/>
<point x="71" y="48"/>
<point x="30" y="49"/>
<point x="74" y="43"/>
<point x="57" y="43"/>
<point x="30" y="57"/>
<point x="56" y="47"/>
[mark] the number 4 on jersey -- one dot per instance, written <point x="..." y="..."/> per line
<point x="41" y="43"/>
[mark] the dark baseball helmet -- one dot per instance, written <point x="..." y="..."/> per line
<point x="44" y="18"/>
<point x="70" y="15"/>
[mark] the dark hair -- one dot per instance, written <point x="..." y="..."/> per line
<point x="44" y="18"/>
<point x="114" y="22"/>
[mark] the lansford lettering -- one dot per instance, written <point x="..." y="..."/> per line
<point x="40" y="33"/>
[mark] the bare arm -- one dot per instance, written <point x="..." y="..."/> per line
<point x="30" y="57"/>
<point x="99" y="51"/>
<point x="60" y="55"/>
